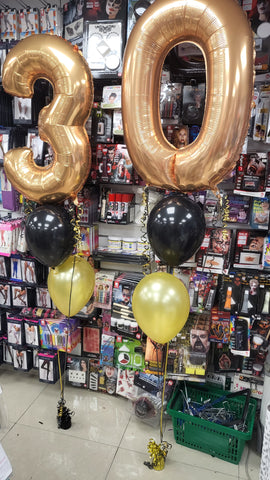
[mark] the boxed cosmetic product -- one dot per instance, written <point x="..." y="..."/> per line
<point x="249" y="249"/>
<point x="214" y="253"/>
<point x="77" y="372"/>
<point x="107" y="379"/>
<point x="103" y="51"/>
<point x="103" y="289"/>
<point x="100" y="10"/>
<point x="111" y="97"/>
<point x="128" y="353"/>
<point x="250" y="178"/>
<point x="259" y="216"/>
<point x="237" y="209"/>
<point x="91" y="338"/>
<point x="101" y="128"/>
<point x="62" y="334"/>
<point x="107" y="349"/>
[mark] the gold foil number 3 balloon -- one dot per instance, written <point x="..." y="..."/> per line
<point x="221" y="30"/>
<point x="61" y="123"/>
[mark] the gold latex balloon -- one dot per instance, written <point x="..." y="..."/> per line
<point x="61" y="123"/>
<point x="160" y="304"/>
<point x="71" y="285"/>
<point x="221" y="30"/>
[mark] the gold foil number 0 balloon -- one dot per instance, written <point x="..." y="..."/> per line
<point x="61" y="123"/>
<point x="222" y="32"/>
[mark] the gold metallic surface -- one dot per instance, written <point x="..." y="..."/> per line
<point x="222" y="32"/>
<point x="160" y="305"/>
<point x="61" y="123"/>
<point x="71" y="285"/>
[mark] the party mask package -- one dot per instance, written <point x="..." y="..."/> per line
<point x="250" y="178"/>
<point x="249" y="249"/>
<point x="108" y="10"/>
<point x="214" y="253"/>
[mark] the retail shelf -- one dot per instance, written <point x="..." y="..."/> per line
<point x="120" y="257"/>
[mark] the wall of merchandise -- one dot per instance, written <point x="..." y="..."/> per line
<point x="226" y="338"/>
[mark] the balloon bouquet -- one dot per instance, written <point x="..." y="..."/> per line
<point x="176" y="224"/>
<point x="49" y="231"/>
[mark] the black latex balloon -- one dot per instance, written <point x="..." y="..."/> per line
<point x="49" y="234"/>
<point x="175" y="228"/>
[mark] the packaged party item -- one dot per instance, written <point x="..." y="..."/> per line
<point x="28" y="22"/>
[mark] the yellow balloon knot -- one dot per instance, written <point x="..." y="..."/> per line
<point x="157" y="454"/>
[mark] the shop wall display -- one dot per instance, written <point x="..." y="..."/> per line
<point x="223" y="337"/>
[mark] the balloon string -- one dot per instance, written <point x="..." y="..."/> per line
<point x="60" y="376"/>
<point x="144" y="238"/>
<point x="226" y="211"/>
<point x="28" y="206"/>
<point x="163" y="393"/>
<point x="76" y="216"/>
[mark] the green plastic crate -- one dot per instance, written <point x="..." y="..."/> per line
<point x="217" y="440"/>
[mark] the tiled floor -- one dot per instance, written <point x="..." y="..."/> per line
<point x="105" y="440"/>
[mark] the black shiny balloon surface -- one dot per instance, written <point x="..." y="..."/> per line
<point x="176" y="229"/>
<point x="49" y="234"/>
